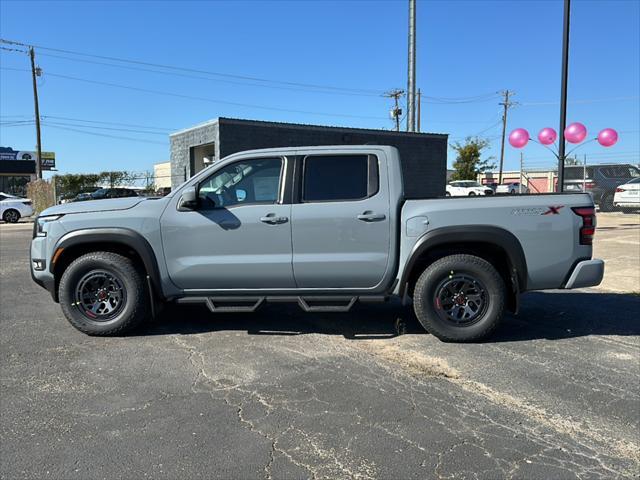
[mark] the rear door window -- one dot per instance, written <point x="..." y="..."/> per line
<point x="339" y="177"/>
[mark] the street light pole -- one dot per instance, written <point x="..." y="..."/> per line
<point x="563" y="93"/>
<point x="411" y="80"/>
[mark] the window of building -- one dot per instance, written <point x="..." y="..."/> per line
<point x="14" y="184"/>
<point x="339" y="177"/>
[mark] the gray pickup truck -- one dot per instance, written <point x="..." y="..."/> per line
<point x="324" y="227"/>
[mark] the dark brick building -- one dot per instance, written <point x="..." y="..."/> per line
<point x="424" y="155"/>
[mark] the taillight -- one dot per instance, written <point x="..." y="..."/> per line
<point x="588" y="227"/>
<point x="589" y="186"/>
<point x="619" y="189"/>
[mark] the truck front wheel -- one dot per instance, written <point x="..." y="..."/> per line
<point x="459" y="298"/>
<point x="103" y="293"/>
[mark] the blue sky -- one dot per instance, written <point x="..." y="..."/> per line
<point x="465" y="49"/>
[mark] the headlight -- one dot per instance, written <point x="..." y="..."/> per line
<point x="42" y="221"/>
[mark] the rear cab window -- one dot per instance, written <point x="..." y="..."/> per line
<point x="333" y="178"/>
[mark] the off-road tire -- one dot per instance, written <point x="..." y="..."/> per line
<point x="11" y="215"/>
<point x="425" y="304"/>
<point x="136" y="302"/>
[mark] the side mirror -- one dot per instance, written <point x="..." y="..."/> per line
<point x="188" y="199"/>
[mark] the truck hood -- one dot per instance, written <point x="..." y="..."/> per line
<point x="89" y="206"/>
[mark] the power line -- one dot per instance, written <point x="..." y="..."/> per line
<point x="203" y="99"/>
<point x="584" y="101"/>
<point x="200" y="77"/>
<point x="194" y="70"/>
<point x="104" y="134"/>
<point x="84" y="120"/>
<point x="317" y="88"/>
<point x="119" y="124"/>
<point x="67" y="124"/>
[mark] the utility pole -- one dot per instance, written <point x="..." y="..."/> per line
<point x="36" y="72"/>
<point x="419" y="113"/>
<point x="411" y="81"/>
<point x="506" y="104"/>
<point x="563" y="93"/>
<point x="521" y="172"/>
<point x="396" y="111"/>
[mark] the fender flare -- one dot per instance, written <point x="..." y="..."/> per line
<point x="120" y="236"/>
<point x="487" y="234"/>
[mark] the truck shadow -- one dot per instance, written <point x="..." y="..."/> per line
<point x="543" y="315"/>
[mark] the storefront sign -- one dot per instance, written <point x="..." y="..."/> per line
<point x="48" y="158"/>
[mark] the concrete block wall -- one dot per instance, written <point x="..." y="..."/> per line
<point x="424" y="156"/>
<point x="181" y="143"/>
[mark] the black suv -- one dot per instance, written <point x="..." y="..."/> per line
<point x="106" y="193"/>
<point x="599" y="180"/>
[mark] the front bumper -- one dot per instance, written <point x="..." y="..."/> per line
<point x="44" y="278"/>
<point x="587" y="273"/>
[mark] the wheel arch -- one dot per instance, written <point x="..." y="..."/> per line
<point x="496" y="245"/>
<point x="117" y="240"/>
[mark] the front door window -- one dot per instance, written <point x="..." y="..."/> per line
<point x="242" y="183"/>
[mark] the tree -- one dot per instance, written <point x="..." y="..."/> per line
<point x="468" y="163"/>
<point x="149" y="185"/>
<point x="116" y="178"/>
<point x="71" y="184"/>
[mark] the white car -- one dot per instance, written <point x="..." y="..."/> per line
<point x="466" y="188"/>
<point x="627" y="195"/>
<point x="512" y="188"/>
<point x="13" y="208"/>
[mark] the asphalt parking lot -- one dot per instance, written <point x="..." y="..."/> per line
<point x="282" y="394"/>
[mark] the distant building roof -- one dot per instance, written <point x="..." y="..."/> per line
<point x="301" y="126"/>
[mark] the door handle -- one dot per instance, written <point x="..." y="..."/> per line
<point x="271" y="219"/>
<point x="370" y="216"/>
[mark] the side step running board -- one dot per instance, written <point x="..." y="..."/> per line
<point x="241" y="304"/>
<point x="326" y="304"/>
<point x="226" y="304"/>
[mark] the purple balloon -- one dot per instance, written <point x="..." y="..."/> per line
<point x="575" y="133"/>
<point x="547" y="136"/>
<point x="608" y="137"/>
<point x="519" y="138"/>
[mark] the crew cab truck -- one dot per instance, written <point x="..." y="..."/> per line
<point x="324" y="227"/>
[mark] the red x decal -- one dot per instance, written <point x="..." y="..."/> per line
<point x="553" y="210"/>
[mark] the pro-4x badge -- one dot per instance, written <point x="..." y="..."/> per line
<point x="553" y="210"/>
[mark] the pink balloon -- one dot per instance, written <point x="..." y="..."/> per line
<point x="547" y="136"/>
<point x="608" y="137"/>
<point x="575" y="133"/>
<point x="519" y="138"/>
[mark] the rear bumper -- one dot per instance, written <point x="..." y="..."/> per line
<point x="627" y="203"/>
<point x="586" y="273"/>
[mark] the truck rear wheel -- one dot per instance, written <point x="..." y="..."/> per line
<point x="103" y="293"/>
<point x="459" y="298"/>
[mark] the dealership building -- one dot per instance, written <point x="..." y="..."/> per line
<point x="18" y="167"/>
<point x="424" y="155"/>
